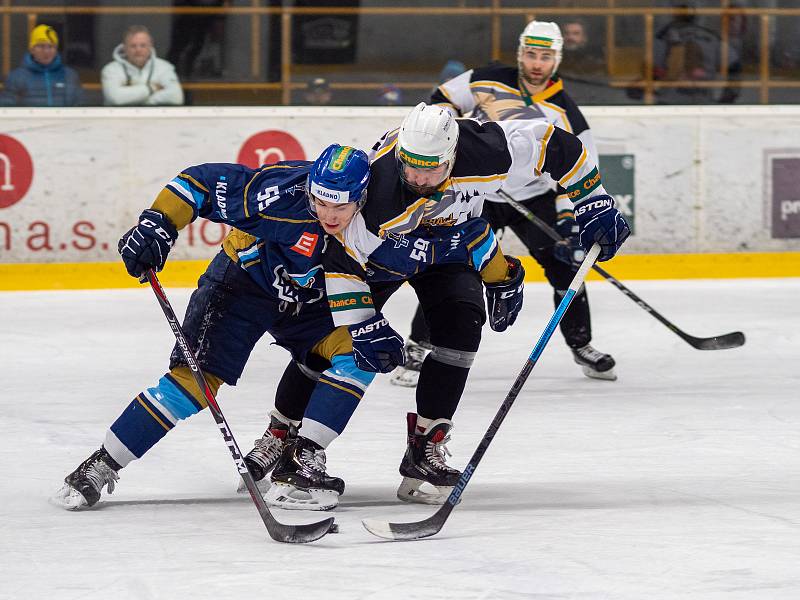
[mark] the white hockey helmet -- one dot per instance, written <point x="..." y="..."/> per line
<point x="542" y="34"/>
<point x="427" y="138"/>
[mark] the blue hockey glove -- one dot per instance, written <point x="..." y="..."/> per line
<point x="376" y="346"/>
<point x="569" y="250"/>
<point x="147" y="245"/>
<point x="602" y="223"/>
<point x="504" y="299"/>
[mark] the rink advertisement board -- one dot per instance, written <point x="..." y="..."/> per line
<point x="784" y="193"/>
<point x="618" y="171"/>
<point x="73" y="180"/>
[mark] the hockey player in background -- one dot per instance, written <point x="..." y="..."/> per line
<point x="531" y="90"/>
<point x="267" y="278"/>
<point x="428" y="183"/>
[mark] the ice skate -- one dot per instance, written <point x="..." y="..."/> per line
<point x="424" y="464"/>
<point x="262" y="458"/>
<point x="595" y="364"/>
<point x="299" y="479"/>
<point x="408" y="374"/>
<point x="82" y="487"/>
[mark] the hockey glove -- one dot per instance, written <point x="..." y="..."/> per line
<point x="504" y="299"/>
<point x="146" y="246"/>
<point x="569" y="250"/>
<point x="602" y="223"/>
<point x="376" y="346"/>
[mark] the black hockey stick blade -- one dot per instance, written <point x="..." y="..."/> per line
<point x="734" y="339"/>
<point x="301" y="534"/>
<point x="408" y="531"/>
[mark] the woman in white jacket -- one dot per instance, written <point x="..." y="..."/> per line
<point x="137" y="77"/>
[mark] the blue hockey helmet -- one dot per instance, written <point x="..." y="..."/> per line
<point x="339" y="175"/>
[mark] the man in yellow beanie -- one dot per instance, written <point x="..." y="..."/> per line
<point x="42" y="79"/>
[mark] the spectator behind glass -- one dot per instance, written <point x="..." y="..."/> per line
<point x="318" y="92"/>
<point x="453" y="68"/>
<point x="580" y="59"/>
<point x="136" y="76"/>
<point x="390" y="95"/>
<point x="685" y="50"/>
<point x="42" y="79"/>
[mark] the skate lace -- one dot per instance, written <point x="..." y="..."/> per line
<point x="437" y="453"/>
<point x="100" y="474"/>
<point x="267" y="450"/>
<point x="590" y="353"/>
<point x="313" y="460"/>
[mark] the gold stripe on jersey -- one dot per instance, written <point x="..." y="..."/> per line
<point x="405" y="217"/>
<point x="174" y="207"/>
<point x="344" y="276"/>
<point x="349" y="251"/>
<point x="566" y="125"/>
<point x="564" y="181"/>
<point x="194" y="182"/>
<point x="548" y="92"/>
<point x="283" y="220"/>
<point x="491" y="85"/>
<point x="388" y="146"/>
<point x="543" y="150"/>
<point x="479" y="178"/>
<point x="479" y="239"/>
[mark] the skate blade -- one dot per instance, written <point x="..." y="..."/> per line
<point x="409" y="491"/>
<point x="405" y="378"/>
<point x="283" y="495"/>
<point x="262" y="485"/>
<point x="68" y="498"/>
<point x="609" y="375"/>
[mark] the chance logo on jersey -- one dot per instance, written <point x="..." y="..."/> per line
<point x="306" y="244"/>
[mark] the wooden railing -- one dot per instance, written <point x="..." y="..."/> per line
<point x="494" y="13"/>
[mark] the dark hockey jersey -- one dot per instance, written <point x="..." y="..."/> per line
<point x="276" y="239"/>
<point x="399" y="234"/>
<point x="494" y="93"/>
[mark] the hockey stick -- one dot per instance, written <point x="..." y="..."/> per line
<point x="717" y="342"/>
<point x="433" y="524"/>
<point x="280" y="532"/>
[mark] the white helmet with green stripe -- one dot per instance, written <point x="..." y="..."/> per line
<point x="427" y="138"/>
<point x="544" y="35"/>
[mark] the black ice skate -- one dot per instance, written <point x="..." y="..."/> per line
<point x="408" y="374"/>
<point x="262" y="458"/>
<point x="82" y="487"/>
<point x="299" y="480"/>
<point x="595" y="364"/>
<point x="424" y="462"/>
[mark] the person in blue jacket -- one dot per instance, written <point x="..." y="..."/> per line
<point x="42" y="79"/>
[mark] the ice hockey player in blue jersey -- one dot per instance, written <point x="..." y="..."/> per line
<point x="267" y="278"/>
<point x="530" y="90"/>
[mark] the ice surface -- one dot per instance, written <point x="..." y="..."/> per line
<point x="680" y="480"/>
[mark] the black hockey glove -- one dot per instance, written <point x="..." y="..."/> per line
<point x="569" y="250"/>
<point x="147" y="245"/>
<point x="504" y="299"/>
<point x="376" y="346"/>
<point x="602" y="223"/>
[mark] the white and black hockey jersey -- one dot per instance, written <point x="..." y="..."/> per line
<point x="495" y="93"/>
<point x="399" y="234"/>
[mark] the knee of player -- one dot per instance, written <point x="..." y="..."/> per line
<point x="178" y="393"/>
<point x="457" y="325"/>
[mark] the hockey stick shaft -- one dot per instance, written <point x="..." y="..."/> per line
<point x="720" y="342"/>
<point x="278" y="531"/>
<point x="432" y="525"/>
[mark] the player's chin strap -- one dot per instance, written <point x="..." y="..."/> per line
<point x="717" y="342"/>
<point x="433" y="524"/>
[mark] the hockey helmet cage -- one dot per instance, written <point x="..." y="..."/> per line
<point x="427" y="138"/>
<point x="339" y="175"/>
<point x="545" y="35"/>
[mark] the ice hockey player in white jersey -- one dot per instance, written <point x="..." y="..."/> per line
<point x="428" y="183"/>
<point x="531" y="90"/>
